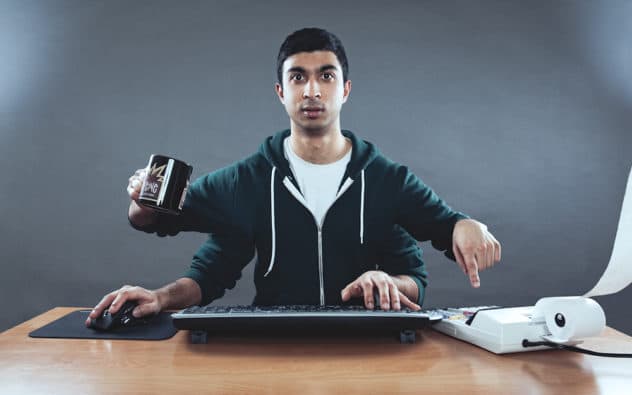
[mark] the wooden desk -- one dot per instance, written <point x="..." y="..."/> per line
<point x="436" y="364"/>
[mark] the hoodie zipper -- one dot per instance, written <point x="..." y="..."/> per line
<point x="319" y="226"/>
<point x="320" y="266"/>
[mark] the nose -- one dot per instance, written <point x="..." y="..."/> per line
<point x="312" y="89"/>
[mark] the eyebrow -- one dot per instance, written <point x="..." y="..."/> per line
<point x="299" y="69"/>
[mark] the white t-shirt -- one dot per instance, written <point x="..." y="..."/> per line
<point x="318" y="183"/>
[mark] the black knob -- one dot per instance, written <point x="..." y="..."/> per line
<point x="560" y="320"/>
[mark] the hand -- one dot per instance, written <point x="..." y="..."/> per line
<point x="148" y="302"/>
<point x="136" y="183"/>
<point x="390" y="295"/>
<point x="475" y="248"/>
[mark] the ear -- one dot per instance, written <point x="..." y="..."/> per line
<point x="279" y="91"/>
<point x="346" y="91"/>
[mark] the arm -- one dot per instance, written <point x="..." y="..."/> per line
<point x="401" y="257"/>
<point x="217" y="265"/>
<point x="427" y="217"/>
<point x="424" y="214"/>
<point x="208" y="206"/>
<point x="180" y="294"/>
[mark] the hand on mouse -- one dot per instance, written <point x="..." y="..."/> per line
<point x="148" y="302"/>
<point x="389" y="293"/>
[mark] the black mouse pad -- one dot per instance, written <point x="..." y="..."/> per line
<point x="73" y="326"/>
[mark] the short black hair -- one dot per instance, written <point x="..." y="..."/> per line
<point x="312" y="39"/>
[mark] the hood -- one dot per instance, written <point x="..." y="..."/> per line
<point x="362" y="154"/>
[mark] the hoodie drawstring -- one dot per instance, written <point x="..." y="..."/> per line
<point x="272" y="220"/>
<point x="362" y="207"/>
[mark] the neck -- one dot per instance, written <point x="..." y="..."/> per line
<point x="322" y="147"/>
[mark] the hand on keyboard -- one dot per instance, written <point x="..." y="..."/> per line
<point x="386" y="289"/>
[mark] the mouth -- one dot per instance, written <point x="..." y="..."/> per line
<point x="312" y="112"/>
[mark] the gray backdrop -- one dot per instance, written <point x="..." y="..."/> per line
<point x="517" y="113"/>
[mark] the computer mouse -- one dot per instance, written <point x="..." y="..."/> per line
<point x="121" y="319"/>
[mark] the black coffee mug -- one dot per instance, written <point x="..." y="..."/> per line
<point x="165" y="185"/>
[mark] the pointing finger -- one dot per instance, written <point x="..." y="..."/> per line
<point x="472" y="269"/>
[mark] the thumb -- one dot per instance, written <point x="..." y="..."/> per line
<point x="146" y="309"/>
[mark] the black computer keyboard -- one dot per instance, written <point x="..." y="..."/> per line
<point x="299" y="318"/>
<point x="293" y="310"/>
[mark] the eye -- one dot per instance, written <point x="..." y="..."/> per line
<point x="296" y="77"/>
<point x="328" y="76"/>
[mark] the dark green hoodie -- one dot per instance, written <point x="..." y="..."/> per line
<point x="255" y="204"/>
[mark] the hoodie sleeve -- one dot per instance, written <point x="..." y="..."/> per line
<point x="218" y="263"/>
<point x="424" y="215"/>
<point x="208" y="207"/>
<point x="400" y="254"/>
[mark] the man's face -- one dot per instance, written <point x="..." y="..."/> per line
<point x="313" y="90"/>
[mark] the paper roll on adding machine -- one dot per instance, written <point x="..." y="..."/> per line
<point x="554" y="322"/>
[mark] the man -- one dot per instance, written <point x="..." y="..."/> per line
<point x="321" y="207"/>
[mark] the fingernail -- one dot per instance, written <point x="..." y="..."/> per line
<point x="397" y="306"/>
<point x="370" y="305"/>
